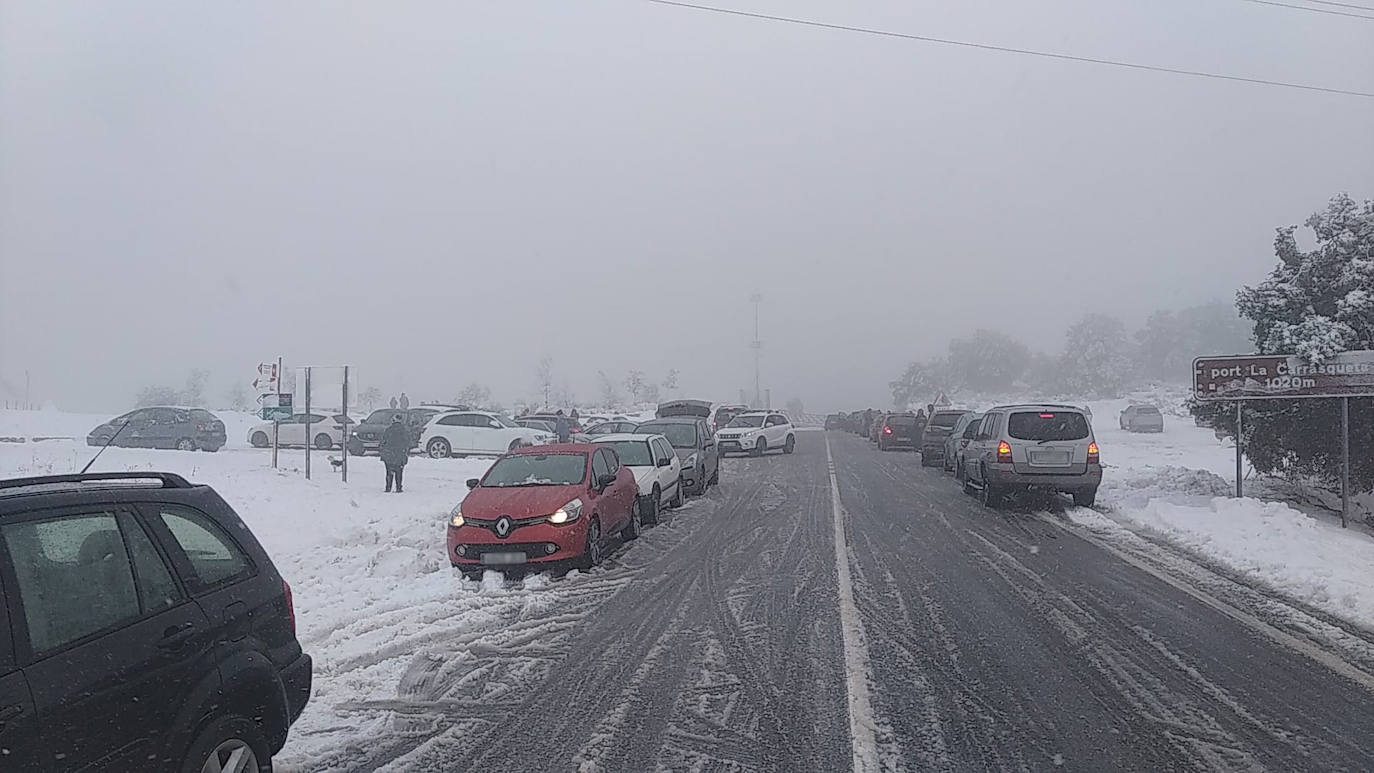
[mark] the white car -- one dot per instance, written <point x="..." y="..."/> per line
<point x="476" y="432"/>
<point x="657" y="470"/>
<point x="757" y="432"/>
<point x="326" y="431"/>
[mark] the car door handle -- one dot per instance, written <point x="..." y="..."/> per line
<point x="174" y="636"/>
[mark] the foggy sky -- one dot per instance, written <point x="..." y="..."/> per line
<point x="440" y="193"/>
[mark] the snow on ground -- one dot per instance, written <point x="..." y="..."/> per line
<point x="1179" y="484"/>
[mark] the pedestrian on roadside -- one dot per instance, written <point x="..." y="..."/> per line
<point x="562" y="428"/>
<point x="393" y="402"/>
<point x="395" y="451"/>
<point x="405" y="402"/>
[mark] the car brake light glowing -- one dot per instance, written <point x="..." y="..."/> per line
<point x="887" y="430"/>
<point x="1093" y="457"/>
<point x="290" y="605"/>
<point x="1004" y="452"/>
<point x="1047" y="416"/>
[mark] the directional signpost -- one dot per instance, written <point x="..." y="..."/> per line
<point x="1244" y="377"/>
<point x="275" y="405"/>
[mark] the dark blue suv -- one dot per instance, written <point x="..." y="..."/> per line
<point x="142" y="627"/>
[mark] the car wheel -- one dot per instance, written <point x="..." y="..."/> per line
<point x="715" y="476"/>
<point x="760" y="448"/>
<point x="676" y="501"/>
<point x="591" y="552"/>
<point x="630" y="532"/>
<point x="945" y="465"/>
<point x="228" y="744"/>
<point x="1085" y="497"/>
<point x="186" y="444"/>
<point x="649" y="510"/>
<point x="790" y="445"/>
<point x="990" y="495"/>
<point x="439" y="448"/>
<point x="700" y="489"/>
<point x="324" y="442"/>
<point x="260" y="440"/>
<point x="355" y="449"/>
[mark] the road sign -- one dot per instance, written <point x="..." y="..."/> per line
<point x="276" y="407"/>
<point x="269" y="378"/>
<point x="1279" y="376"/>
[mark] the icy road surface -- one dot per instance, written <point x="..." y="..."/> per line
<point x="1000" y="641"/>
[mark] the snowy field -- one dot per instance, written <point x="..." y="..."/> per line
<point x="373" y="587"/>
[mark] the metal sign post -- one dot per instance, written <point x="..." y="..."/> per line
<point x="344" y="464"/>
<point x="1345" y="462"/>
<point x="1240" y="433"/>
<point x="308" y="442"/>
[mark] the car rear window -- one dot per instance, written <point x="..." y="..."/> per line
<point x="901" y="421"/>
<point x="633" y="453"/>
<point x="679" y="435"/>
<point x="945" y="420"/>
<point x="1148" y="410"/>
<point x="1047" y="425"/>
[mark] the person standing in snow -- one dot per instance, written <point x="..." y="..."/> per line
<point x="395" y="450"/>
<point x="562" y="428"/>
<point x="405" y="402"/>
<point x="393" y="402"/>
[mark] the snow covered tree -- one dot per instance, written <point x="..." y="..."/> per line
<point x="634" y="384"/>
<point x="795" y="409"/>
<point x="1096" y="360"/>
<point x="920" y="382"/>
<point x="157" y="395"/>
<point x="194" y="393"/>
<point x="370" y="398"/>
<point x="1166" y="346"/>
<point x="238" y="397"/>
<point x="610" y="393"/>
<point x="1314" y="304"/>
<point x="476" y="395"/>
<point x="670" y="382"/>
<point x="987" y="360"/>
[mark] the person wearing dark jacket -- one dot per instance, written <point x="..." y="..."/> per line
<point x="562" y="428"/>
<point x="395" y="451"/>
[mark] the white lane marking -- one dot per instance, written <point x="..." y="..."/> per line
<point x="1280" y="637"/>
<point x="863" y="731"/>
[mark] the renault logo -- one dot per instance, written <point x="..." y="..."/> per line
<point x="504" y="526"/>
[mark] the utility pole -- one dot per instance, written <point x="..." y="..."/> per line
<point x="757" y="346"/>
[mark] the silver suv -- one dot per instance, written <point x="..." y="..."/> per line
<point x="1034" y="446"/>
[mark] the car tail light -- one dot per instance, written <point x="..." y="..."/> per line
<point x="200" y="428"/>
<point x="1093" y="457"/>
<point x="290" y="605"/>
<point x="887" y="430"/>
<point x="1004" y="452"/>
<point x="1047" y="416"/>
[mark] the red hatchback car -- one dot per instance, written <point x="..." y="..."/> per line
<point x="544" y="507"/>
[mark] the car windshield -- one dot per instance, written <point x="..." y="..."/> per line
<point x="679" y="435"/>
<point x="633" y="453"/>
<point x="1048" y="425"/>
<point x="536" y="470"/>
<point x="755" y="420"/>
<point x="380" y="416"/>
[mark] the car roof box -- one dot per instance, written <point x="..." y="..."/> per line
<point x="700" y="409"/>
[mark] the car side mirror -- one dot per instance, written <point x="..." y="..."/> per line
<point x="664" y="461"/>
<point x="472" y="483"/>
<point x="604" y="482"/>
<point x="710" y="442"/>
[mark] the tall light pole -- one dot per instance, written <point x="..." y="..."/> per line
<point x="757" y="346"/>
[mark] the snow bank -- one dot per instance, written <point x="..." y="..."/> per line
<point x="1310" y="560"/>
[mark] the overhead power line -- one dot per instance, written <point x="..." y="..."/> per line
<point x="1310" y="9"/>
<point x="1012" y="50"/>
<point x="1342" y="5"/>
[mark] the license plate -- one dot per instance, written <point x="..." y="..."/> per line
<point x="503" y="559"/>
<point x="1050" y="458"/>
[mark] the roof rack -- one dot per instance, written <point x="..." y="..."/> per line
<point x="167" y="479"/>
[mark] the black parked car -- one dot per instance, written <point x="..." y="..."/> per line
<point x="185" y="429"/>
<point x="367" y="436"/>
<point x="146" y="629"/>
<point x="900" y="430"/>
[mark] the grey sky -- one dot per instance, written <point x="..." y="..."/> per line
<point x="428" y="190"/>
